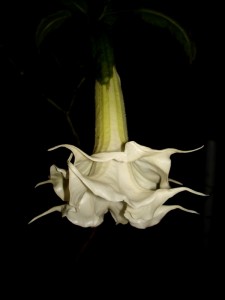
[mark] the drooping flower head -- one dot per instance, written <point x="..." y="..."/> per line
<point x="121" y="177"/>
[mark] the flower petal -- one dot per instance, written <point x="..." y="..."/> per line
<point x="59" y="208"/>
<point x="132" y="185"/>
<point x="92" y="209"/>
<point x="90" y="212"/>
<point x="100" y="186"/>
<point x="159" y="214"/>
<point x="152" y="212"/>
<point x="160" y="196"/>
<point x="60" y="180"/>
<point x="117" y="211"/>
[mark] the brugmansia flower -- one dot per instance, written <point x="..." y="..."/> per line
<point x="124" y="178"/>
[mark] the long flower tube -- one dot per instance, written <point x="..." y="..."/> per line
<point x="124" y="178"/>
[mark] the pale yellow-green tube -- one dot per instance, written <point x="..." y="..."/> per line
<point x="110" y="118"/>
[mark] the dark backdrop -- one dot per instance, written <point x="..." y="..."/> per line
<point x="169" y="103"/>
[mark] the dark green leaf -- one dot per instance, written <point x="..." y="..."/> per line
<point x="110" y="17"/>
<point x="158" y="19"/>
<point x="76" y="5"/>
<point x="51" y="23"/>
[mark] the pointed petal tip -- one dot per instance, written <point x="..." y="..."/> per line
<point x="34" y="219"/>
<point x="175" y="181"/>
<point x="192" y="150"/>
<point x="195" y="192"/>
<point x="42" y="183"/>
<point x="58" y="208"/>
<point x="31" y="221"/>
<point x="199" y="148"/>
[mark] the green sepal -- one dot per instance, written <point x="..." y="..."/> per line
<point x="49" y="24"/>
<point x="159" y="19"/>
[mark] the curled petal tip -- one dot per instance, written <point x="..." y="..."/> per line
<point x="42" y="183"/>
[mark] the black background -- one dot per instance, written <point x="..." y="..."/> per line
<point x="169" y="103"/>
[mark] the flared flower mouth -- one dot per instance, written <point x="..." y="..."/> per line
<point x="133" y="185"/>
<point x="124" y="178"/>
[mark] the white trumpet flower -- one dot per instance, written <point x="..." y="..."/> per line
<point x="124" y="178"/>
